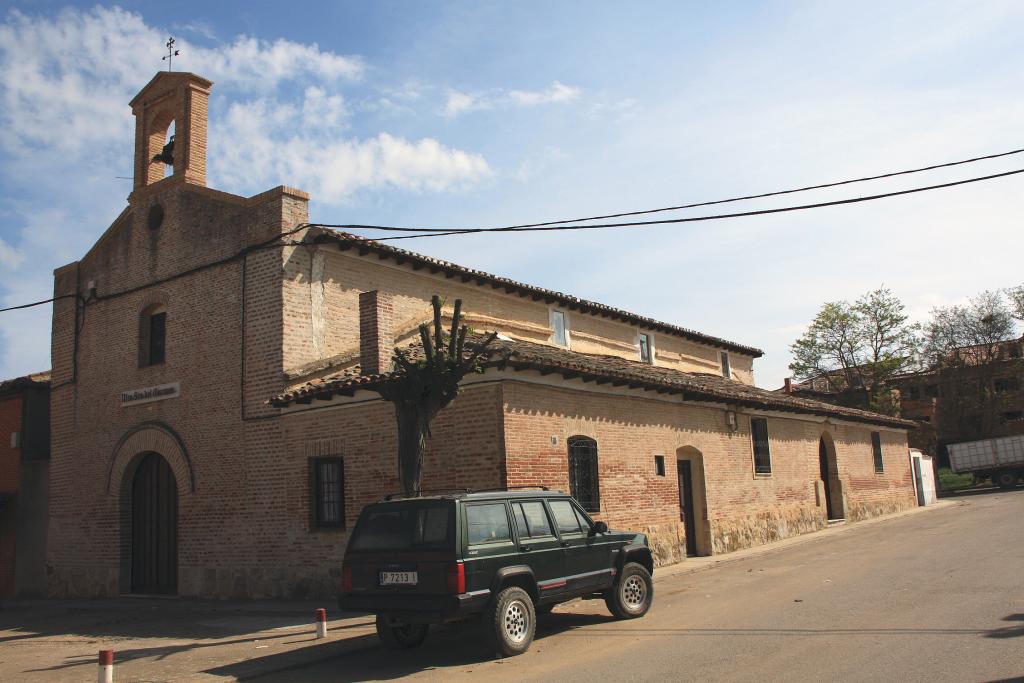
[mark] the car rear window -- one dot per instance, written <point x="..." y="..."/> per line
<point x="405" y="527"/>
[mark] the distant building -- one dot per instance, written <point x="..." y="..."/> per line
<point x="24" y="469"/>
<point x="979" y="394"/>
<point x="214" y="433"/>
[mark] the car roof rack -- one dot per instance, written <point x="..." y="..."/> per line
<point x="425" y="492"/>
<point x="537" y="487"/>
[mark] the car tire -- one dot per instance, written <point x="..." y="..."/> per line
<point x="632" y="594"/>
<point x="510" y="622"/>
<point x="1005" y="479"/>
<point x="397" y="635"/>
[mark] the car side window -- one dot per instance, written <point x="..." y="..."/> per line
<point x="565" y="517"/>
<point x="531" y="519"/>
<point x="487" y="523"/>
<point x="585" y="522"/>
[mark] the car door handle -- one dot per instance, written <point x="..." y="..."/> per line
<point x="565" y="544"/>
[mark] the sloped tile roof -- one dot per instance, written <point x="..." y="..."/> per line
<point x="522" y="355"/>
<point x="347" y="241"/>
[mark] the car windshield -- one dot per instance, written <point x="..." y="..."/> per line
<point x="405" y="527"/>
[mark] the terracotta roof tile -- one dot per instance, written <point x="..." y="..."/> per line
<point x="522" y="355"/>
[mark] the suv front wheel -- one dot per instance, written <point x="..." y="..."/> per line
<point x="632" y="594"/>
<point x="510" y="622"/>
<point x="397" y="635"/>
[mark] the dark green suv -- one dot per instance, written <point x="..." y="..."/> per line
<point x="504" y="556"/>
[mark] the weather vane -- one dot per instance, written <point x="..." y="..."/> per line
<point x="171" y="52"/>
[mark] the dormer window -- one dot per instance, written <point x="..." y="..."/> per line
<point x="561" y="332"/>
<point x="726" y="370"/>
<point x="152" y="335"/>
<point x="646" y="350"/>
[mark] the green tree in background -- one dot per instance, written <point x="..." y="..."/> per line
<point x="857" y="347"/>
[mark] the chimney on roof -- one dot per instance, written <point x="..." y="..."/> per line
<point x="789" y="385"/>
<point x="376" y="332"/>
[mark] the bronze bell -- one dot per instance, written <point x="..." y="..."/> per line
<point x="167" y="155"/>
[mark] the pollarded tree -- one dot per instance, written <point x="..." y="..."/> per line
<point x="424" y="386"/>
<point x="856" y="348"/>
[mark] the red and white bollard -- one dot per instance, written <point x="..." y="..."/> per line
<point x="106" y="674"/>
<point x="321" y="624"/>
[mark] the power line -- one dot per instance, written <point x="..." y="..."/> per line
<point x="37" y="303"/>
<point x="694" y="205"/>
<point x="665" y="221"/>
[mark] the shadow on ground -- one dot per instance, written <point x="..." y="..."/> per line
<point x="182" y="618"/>
<point x="357" y="659"/>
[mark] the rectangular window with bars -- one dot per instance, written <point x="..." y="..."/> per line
<point x="762" y="452"/>
<point x="327" y="495"/>
<point x="876" y="448"/>
<point x="726" y="368"/>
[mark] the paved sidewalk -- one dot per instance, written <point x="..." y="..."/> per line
<point x="197" y="640"/>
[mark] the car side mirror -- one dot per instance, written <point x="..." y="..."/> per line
<point x="598" y="528"/>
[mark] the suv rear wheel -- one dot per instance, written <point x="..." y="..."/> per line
<point x="510" y="622"/>
<point x="632" y="594"/>
<point x="396" y="635"/>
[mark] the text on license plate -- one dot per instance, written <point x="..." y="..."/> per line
<point x="398" y="578"/>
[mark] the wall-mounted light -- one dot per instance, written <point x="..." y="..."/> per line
<point x="730" y="419"/>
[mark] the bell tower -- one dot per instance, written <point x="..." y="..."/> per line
<point x="171" y="97"/>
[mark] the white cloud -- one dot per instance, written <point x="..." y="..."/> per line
<point x="458" y="102"/>
<point x="65" y="80"/>
<point x="252" y="63"/>
<point x="9" y="256"/>
<point x="259" y="144"/>
<point x="556" y="92"/>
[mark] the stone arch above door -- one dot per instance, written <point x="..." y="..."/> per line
<point x="153" y="437"/>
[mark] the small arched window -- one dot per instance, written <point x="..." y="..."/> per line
<point x="584" y="482"/>
<point x="152" y="335"/>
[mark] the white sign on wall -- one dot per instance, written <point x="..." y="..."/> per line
<point x="160" y="392"/>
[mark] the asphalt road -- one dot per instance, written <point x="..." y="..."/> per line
<point x="931" y="596"/>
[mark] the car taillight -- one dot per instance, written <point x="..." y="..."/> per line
<point x="346" y="579"/>
<point x="457" y="578"/>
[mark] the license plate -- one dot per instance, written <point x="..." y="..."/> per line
<point x="398" y="578"/>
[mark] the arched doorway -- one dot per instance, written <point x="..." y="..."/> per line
<point x="154" y="527"/>
<point x="829" y="474"/>
<point x="693" y="508"/>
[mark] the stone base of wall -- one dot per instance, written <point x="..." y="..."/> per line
<point x="746" y="532"/>
<point x="667" y="542"/>
<point x="858" y="510"/>
<point x="83" y="582"/>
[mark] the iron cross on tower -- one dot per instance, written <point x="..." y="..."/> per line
<point x="171" y="52"/>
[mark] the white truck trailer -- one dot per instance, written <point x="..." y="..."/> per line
<point x="1001" y="460"/>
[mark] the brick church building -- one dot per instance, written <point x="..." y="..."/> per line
<point x="215" y="432"/>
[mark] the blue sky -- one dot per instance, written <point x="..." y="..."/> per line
<point x="477" y="114"/>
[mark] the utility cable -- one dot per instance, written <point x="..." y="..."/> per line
<point x="692" y="219"/>
<point x="762" y="195"/>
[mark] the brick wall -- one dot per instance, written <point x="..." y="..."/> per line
<point x="206" y="351"/>
<point x="10" y="422"/>
<point x="736" y="508"/>
<point x="330" y="328"/>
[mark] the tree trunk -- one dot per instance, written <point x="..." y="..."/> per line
<point x="412" y="437"/>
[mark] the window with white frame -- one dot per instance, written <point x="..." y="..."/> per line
<point x="561" y="331"/>
<point x="646" y="349"/>
<point x="726" y="370"/>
